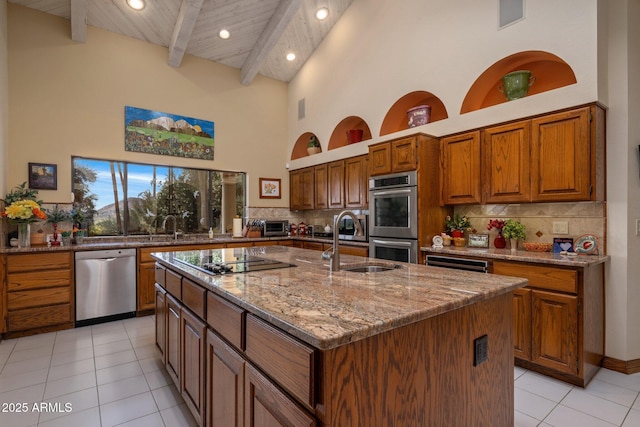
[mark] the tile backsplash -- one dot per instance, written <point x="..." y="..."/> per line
<point x="582" y="218"/>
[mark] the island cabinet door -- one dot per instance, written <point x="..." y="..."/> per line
<point x="555" y="331"/>
<point x="265" y="405"/>
<point x="522" y="323"/>
<point x="172" y="358"/>
<point x="192" y="368"/>
<point x="225" y="384"/>
<point x="161" y="321"/>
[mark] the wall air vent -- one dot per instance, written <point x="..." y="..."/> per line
<point x="510" y="12"/>
<point x="301" y="109"/>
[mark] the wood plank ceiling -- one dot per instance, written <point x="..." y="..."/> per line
<point x="262" y="31"/>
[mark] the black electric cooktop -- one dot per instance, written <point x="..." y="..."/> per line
<point x="225" y="263"/>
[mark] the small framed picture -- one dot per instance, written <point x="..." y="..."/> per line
<point x="478" y="241"/>
<point x="561" y="244"/>
<point x="43" y="176"/>
<point x="270" y="188"/>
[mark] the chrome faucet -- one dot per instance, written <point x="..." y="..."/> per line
<point x="333" y="253"/>
<point x="175" y="225"/>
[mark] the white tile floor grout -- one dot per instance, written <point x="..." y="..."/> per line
<point x="111" y="375"/>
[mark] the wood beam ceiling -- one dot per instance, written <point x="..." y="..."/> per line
<point x="189" y="11"/>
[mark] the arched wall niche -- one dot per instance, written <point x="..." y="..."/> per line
<point x="339" y="135"/>
<point x="396" y="118"/>
<point x="549" y="70"/>
<point x="300" y="147"/>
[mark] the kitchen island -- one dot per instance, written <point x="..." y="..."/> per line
<point x="414" y="345"/>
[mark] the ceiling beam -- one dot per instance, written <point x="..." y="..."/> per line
<point x="79" y="21"/>
<point x="278" y="23"/>
<point x="187" y="17"/>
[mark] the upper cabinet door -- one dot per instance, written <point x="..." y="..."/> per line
<point x="461" y="169"/>
<point x="321" y="183"/>
<point x="560" y="153"/>
<point x="356" y="177"/>
<point x="403" y="155"/>
<point x="507" y="163"/>
<point x="380" y="159"/>
<point x="335" y="172"/>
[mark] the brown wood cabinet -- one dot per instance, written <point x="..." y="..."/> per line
<point x="344" y="249"/>
<point x="40" y="292"/>
<point x="302" y="189"/>
<point x="3" y="295"/>
<point x="561" y="150"/>
<point x="558" y="319"/>
<point x="506" y="163"/>
<point x="356" y="182"/>
<point x="192" y="368"/>
<point x="399" y="155"/>
<point x="460" y="171"/>
<point x="321" y="187"/>
<point x="161" y="323"/>
<point x="225" y="384"/>
<point x="173" y="338"/>
<point x="274" y="379"/>
<point x="335" y="171"/>
<point x="552" y="158"/>
<point x="333" y="185"/>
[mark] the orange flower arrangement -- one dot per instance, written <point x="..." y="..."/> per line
<point x="24" y="211"/>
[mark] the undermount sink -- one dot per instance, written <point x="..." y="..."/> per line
<point x="371" y="267"/>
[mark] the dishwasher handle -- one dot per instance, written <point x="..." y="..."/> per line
<point x="106" y="254"/>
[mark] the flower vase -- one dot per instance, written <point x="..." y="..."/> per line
<point x="500" y="242"/>
<point x="457" y="233"/>
<point x="66" y="240"/>
<point x="55" y="241"/>
<point x="24" y="234"/>
<point x="514" y="244"/>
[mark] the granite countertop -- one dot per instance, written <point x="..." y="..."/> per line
<point x="327" y="310"/>
<point x="522" y="256"/>
<point x="96" y="243"/>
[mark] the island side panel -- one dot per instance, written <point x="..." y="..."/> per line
<point x="423" y="374"/>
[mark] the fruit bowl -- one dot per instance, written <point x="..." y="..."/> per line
<point x="538" y="246"/>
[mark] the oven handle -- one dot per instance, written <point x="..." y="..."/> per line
<point x="386" y="242"/>
<point x="390" y="192"/>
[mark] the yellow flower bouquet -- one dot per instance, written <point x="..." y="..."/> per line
<point x="24" y="211"/>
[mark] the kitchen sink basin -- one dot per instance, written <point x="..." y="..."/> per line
<point x="370" y="267"/>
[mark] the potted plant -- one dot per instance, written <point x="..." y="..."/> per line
<point x="514" y="230"/>
<point x="499" y="242"/>
<point x="55" y="216"/>
<point x="23" y="209"/>
<point x="457" y="225"/>
<point x="313" y="146"/>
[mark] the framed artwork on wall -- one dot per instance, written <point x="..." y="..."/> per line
<point x="270" y="188"/>
<point x="43" y="176"/>
<point x="154" y="132"/>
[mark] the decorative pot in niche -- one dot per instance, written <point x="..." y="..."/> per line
<point x="354" y="135"/>
<point x="516" y="84"/>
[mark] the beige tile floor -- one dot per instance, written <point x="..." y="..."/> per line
<point x="111" y="375"/>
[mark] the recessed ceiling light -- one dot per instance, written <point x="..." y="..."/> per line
<point x="322" y="13"/>
<point x="136" y="4"/>
<point x="224" y="34"/>
<point x="291" y="56"/>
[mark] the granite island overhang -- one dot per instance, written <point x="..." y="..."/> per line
<point x="300" y="346"/>
<point x="326" y="310"/>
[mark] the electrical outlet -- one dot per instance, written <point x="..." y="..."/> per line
<point x="560" y="227"/>
<point x="480" y="350"/>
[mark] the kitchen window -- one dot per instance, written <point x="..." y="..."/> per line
<point x="146" y="194"/>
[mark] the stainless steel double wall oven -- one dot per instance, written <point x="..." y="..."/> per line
<point x="393" y="217"/>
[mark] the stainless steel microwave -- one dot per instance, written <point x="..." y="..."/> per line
<point x="347" y="228"/>
<point x="272" y="228"/>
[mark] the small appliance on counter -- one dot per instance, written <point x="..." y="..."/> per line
<point x="324" y="232"/>
<point x="347" y="228"/>
<point x="272" y="228"/>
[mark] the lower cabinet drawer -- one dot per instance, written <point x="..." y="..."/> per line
<point x="555" y="279"/>
<point x="30" y="318"/>
<point x="193" y="296"/>
<point x="286" y="360"/>
<point x="173" y="284"/>
<point x="41" y="297"/>
<point x="226" y="318"/>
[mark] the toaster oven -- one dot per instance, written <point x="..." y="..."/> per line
<point x="272" y="228"/>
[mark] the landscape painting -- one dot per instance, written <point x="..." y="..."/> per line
<point x="154" y="132"/>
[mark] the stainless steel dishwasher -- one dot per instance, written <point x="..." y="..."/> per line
<point x="105" y="285"/>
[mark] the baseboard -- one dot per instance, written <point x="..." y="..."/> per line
<point x="623" y="366"/>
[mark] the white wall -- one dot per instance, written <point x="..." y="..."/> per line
<point x="382" y="50"/>
<point x="68" y="98"/>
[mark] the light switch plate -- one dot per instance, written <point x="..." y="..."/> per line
<point x="560" y="227"/>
